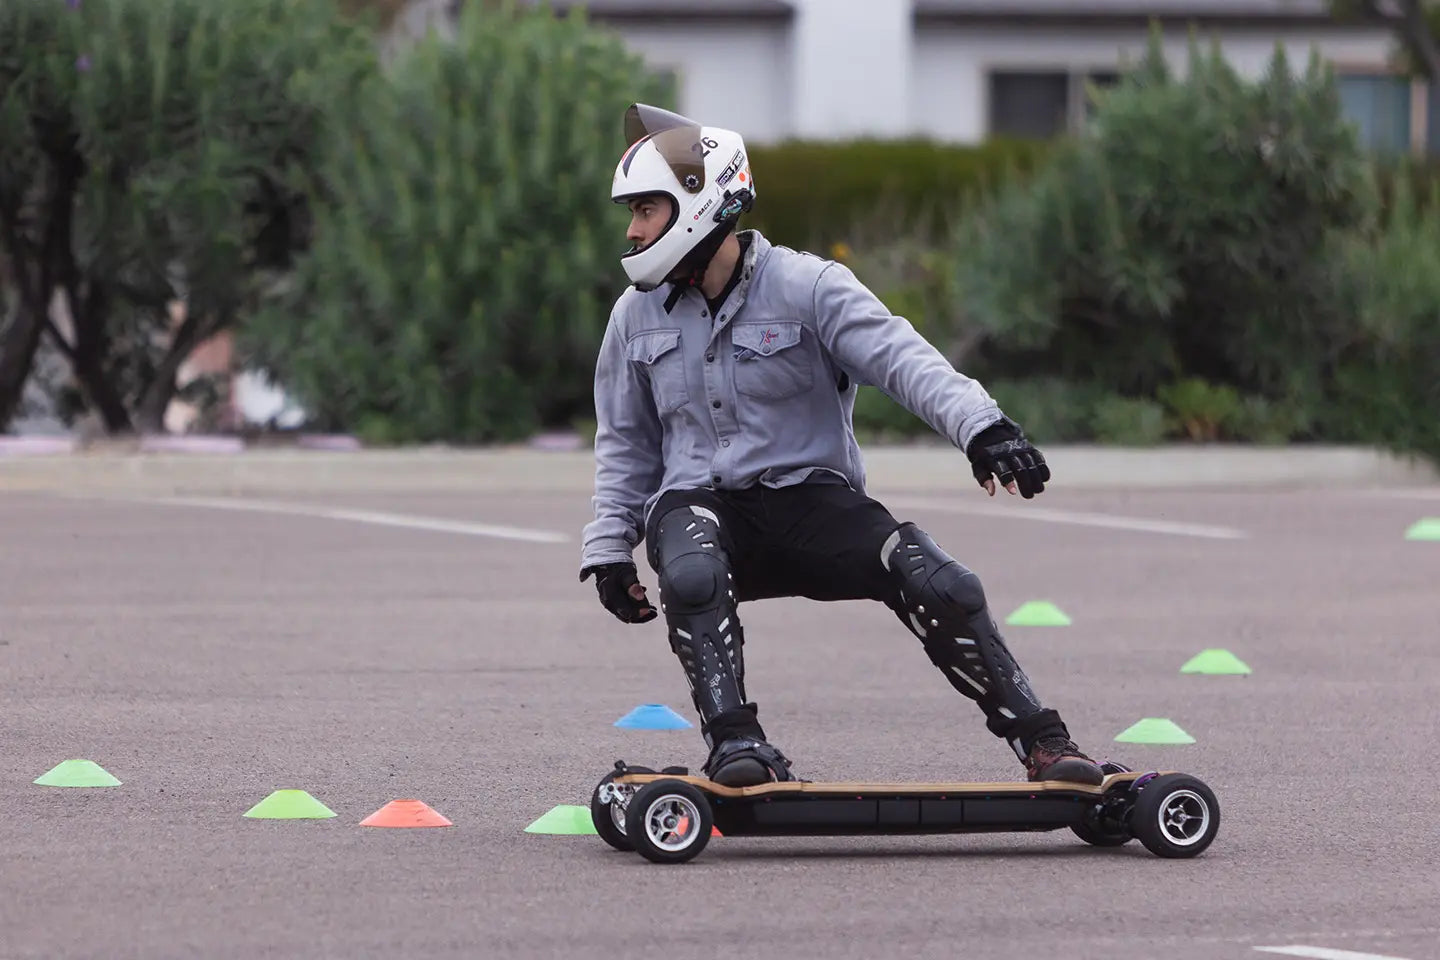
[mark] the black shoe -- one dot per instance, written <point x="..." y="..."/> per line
<point x="1057" y="758"/>
<point x="746" y="762"/>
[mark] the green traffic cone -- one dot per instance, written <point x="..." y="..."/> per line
<point x="77" y="773"/>
<point x="1215" y="662"/>
<point x="564" y="820"/>
<point x="289" y="805"/>
<point x="1154" y="730"/>
<point x="1427" y="528"/>
<point x="1038" y="613"/>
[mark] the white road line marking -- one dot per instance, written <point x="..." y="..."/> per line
<point x="1325" y="953"/>
<point x="1138" y="524"/>
<point x="1408" y="493"/>
<point x="402" y="520"/>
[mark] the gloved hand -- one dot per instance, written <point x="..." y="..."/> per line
<point x="1001" y="450"/>
<point x="620" y="591"/>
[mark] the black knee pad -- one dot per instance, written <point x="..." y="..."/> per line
<point x="697" y="599"/>
<point x="943" y="603"/>
<point x="937" y="595"/>
<point x="693" y="567"/>
<point x="693" y="582"/>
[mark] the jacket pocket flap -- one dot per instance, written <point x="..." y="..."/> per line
<point x="649" y="346"/>
<point x="766" y="338"/>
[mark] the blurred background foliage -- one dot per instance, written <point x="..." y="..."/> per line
<point x="418" y="242"/>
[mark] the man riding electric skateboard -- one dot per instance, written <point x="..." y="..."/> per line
<point x="724" y="389"/>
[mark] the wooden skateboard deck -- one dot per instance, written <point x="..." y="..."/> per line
<point x="850" y="789"/>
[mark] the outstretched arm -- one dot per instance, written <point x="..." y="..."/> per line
<point x="878" y="348"/>
<point x="628" y="455"/>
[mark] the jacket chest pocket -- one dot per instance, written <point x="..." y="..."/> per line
<point x="770" y="363"/>
<point x="658" y="352"/>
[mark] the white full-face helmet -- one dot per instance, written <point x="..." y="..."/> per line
<point x="705" y="171"/>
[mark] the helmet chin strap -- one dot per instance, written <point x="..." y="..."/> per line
<point x="690" y="271"/>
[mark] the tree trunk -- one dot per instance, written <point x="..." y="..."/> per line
<point x="92" y="348"/>
<point x="1409" y="22"/>
<point x="150" y="413"/>
<point x="17" y="354"/>
<point x="34" y="278"/>
<point x="1421" y="39"/>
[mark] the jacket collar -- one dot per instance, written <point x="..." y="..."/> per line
<point x="757" y="251"/>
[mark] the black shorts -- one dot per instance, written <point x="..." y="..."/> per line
<point x="818" y="539"/>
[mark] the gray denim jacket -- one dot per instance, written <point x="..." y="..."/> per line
<point x="754" y="395"/>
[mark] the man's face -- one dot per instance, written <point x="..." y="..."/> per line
<point x="648" y="217"/>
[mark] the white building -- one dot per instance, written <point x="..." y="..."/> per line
<point x="961" y="70"/>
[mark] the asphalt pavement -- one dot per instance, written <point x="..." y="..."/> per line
<point x="371" y="646"/>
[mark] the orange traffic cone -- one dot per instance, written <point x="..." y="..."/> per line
<point x="405" y="813"/>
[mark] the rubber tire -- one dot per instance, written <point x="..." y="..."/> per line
<point x="1151" y="800"/>
<point x="640" y="804"/>
<point x="600" y="816"/>
<point x="1097" y="838"/>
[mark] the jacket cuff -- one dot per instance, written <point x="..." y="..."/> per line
<point x="607" y="550"/>
<point x="971" y="426"/>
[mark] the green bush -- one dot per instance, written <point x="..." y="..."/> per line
<point x="465" y="254"/>
<point x="879" y="419"/>
<point x="154" y="151"/>
<point x="1129" y="421"/>
<point x="1201" y="410"/>
<point x="1267" y="421"/>
<point x="1387" y="374"/>
<point x="1183" y="236"/>
<point x="814" y="195"/>
<point x="1048" y="409"/>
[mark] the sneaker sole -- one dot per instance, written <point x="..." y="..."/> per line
<point x="1075" y="771"/>
<point x="746" y="772"/>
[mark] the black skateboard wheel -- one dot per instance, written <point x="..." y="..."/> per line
<point x="608" y="816"/>
<point x="668" y="821"/>
<point x="1098" y="833"/>
<point x="1175" y="815"/>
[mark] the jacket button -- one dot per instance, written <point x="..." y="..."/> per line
<point x="716" y="478"/>
<point x="715" y="404"/>
<point x="724" y="443"/>
<point x="709" y="358"/>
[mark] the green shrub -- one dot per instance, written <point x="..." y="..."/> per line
<point x="154" y="151"/>
<point x="466" y="252"/>
<point x="1267" y="421"/>
<point x="1048" y="409"/>
<point x="1183" y="236"/>
<point x="1387" y="375"/>
<point x="813" y="195"/>
<point x="1201" y="410"/>
<point x="1129" y="421"/>
<point x="879" y="419"/>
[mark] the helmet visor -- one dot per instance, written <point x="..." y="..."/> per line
<point x="676" y="138"/>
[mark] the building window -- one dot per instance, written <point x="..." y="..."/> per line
<point x="1379" y="106"/>
<point x="1039" y="104"/>
<point x="1032" y="105"/>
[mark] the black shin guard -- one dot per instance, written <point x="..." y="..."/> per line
<point x="942" y="602"/>
<point x="697" y="598"/>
